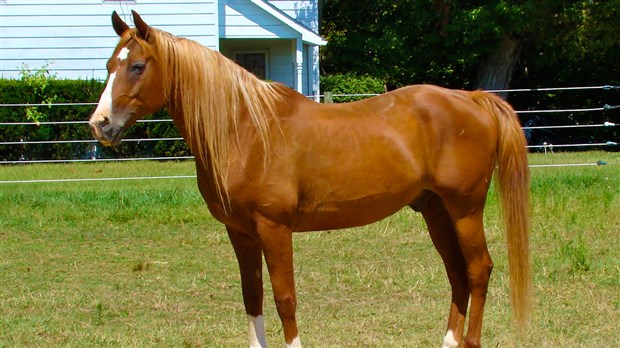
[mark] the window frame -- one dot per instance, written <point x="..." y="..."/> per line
<point x="265" y="54"/>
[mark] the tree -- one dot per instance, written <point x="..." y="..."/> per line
<point x="384" y="39"/>
<point x="486" y="44"/>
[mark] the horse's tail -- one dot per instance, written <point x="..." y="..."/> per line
<point x="513" y="182"/>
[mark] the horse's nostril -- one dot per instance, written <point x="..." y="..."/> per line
<point x="100" y="125"/>
<point x="104" y="122"/>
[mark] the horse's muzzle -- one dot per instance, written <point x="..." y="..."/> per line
<point x="106" y="131"/>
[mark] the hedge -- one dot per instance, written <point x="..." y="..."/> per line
<point x="72" y="91"/>
<point x="351" y="84"/>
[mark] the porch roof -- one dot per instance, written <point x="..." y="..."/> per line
<point x="267" y="18"/>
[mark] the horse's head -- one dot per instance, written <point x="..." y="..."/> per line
<point x="134" y="86"/>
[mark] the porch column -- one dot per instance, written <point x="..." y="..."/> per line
<point x="299" y="65"/>
<point x="313" y="72"/>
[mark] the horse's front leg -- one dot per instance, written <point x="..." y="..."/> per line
<point x="249" y="255"/>
<point x="277" y="244"/>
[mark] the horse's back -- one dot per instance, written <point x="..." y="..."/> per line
<point x="422" y="128"/>
<point x="355" y="163"/>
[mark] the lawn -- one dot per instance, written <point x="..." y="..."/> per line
<point x="141" y="263"/>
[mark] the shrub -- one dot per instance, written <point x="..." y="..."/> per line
<point x="71" y="91"/>
<point x="351" y="84"/>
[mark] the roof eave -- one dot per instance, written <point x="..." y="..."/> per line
<point x="307" y="35"/>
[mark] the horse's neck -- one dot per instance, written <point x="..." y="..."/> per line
<point x="176" y="112"/>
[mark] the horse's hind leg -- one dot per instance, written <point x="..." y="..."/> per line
<point x="466" y="213"/>
<point x="444" y="238"/>
<point x="249" y="255"/>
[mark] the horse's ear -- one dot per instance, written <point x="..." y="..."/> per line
<point x="143" y="28"/>
<point x="119" y="26"/>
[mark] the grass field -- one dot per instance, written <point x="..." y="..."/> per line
<point x="143" y="264"/>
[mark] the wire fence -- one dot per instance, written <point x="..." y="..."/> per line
<point x="543" y="147"/>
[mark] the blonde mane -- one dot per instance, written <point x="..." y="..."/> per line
<point x="212" y="92"/>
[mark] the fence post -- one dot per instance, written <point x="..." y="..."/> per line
<point x="328" y="97"/>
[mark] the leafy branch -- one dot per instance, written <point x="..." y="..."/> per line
<point x="38" y="80"/>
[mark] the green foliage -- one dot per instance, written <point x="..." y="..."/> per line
<point x="445" y="41"/>
<point x="15" y="91"/>
<point x="168" y="148"/>
<point x="351" y="84"/>
<point x="40" y="86"/>
<point x="37" y="79"/>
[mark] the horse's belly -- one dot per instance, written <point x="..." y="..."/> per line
<point x="330" y="215"/>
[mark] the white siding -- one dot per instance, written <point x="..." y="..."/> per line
<point x="305" y="12"/>
<point x="266" y="24"/>
<point x="278" y="52"/>
<point x="78" y="36"/>
<point x="242" y="19"/>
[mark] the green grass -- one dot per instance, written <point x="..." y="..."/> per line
<point x="143" y="264"/>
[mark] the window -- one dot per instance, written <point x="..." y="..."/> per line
<point x="254" y="62"/>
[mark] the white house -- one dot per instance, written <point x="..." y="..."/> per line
<point x="278" y="40"/>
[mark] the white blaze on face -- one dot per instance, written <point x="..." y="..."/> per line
<point x="122" y="55"/>
<point x="104" y="108"/>
<point x="257" y="332"/>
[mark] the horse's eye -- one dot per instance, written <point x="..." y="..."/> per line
<point x="138" y="68"/>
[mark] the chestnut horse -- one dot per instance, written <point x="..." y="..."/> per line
<point x="270" y="162"/>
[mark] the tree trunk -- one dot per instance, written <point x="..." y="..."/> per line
<point x="496" y="71"/>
